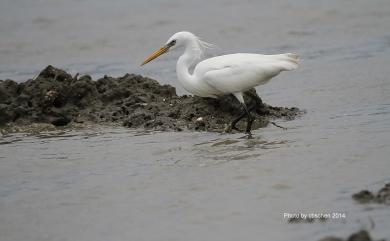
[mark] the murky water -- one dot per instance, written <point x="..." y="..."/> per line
<point x="121" y="184"/>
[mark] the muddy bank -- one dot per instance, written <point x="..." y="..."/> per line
<point x="381" y="197"/>
<point x="134" y="101"/>
<point x="361" y="235"/>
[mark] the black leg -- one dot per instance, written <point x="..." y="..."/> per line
<point x="250" y="121"/>
<point x="242" y="115"/>
<point x="247" y="112"/>
<point x="235" y="121"/>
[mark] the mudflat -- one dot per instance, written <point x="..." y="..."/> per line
<point x="57" y="98"/>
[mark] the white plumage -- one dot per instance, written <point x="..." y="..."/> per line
<point x="226" y="74"/>
<point x="235" y="73"/>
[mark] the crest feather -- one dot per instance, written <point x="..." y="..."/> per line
<point x="202" y="47"/>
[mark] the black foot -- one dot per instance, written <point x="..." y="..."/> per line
<point x="249" y="135"/>
<point x="273" y="123"/>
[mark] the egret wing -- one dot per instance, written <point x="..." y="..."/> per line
<point x="239" y="72"/>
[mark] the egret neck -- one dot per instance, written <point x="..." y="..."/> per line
<point x="191" y="55"/>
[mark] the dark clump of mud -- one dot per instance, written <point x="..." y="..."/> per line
<point x="306" y="220"/>
<point x="361" y="235"/>
<point x="381" y="197"/>
<point x="56" y="97"/>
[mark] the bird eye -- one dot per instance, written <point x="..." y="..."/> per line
<point x="173" y="42"/>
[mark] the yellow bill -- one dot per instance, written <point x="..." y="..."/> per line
<point x="159" y="52"/>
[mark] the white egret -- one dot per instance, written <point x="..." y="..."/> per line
<point x="226" y="74"/>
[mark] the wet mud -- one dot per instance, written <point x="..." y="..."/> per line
<point x="381" y="197"/>
<point x="306" y="220"/>
<point x="57" y="98"/>
<point x="361" y="235"/>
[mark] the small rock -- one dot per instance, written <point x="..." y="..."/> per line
<point x="382" y="197"/>
<point x="360" y="236"/>
<point x="363" y="196"/>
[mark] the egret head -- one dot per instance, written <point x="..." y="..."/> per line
<point x="177" y="40"/>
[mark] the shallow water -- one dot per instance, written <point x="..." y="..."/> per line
<point x="121" y="184"/>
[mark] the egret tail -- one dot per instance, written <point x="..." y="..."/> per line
<point x="290" y="61"/>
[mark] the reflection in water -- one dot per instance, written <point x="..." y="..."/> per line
<point x="218" y="151"/>
<point x="225" y="142"/>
